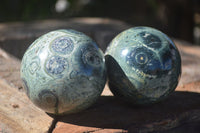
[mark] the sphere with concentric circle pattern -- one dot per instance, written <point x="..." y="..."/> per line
<point x="63" y="72"/>
<point x="143" y="64"/>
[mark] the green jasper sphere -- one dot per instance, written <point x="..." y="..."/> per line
<point x="63" y="72"/>
<point x="143" y="64"/>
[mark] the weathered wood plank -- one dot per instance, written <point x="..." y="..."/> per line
<point x="10" y="69"/>
<point x="18" y="114"/>
<point x="190" y="62"/>
<point x="16" y="37"/>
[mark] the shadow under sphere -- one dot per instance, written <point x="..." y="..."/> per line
<point x="110" y="112"/>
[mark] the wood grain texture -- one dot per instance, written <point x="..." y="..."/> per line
<point x="10" y="69"/>
<point x="18" y="114"/>
<point x="17" y="36"/>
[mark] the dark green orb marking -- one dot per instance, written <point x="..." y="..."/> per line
<point x="62" y="45"/>
<point x="150" y="39"/>
<point x="56" y="65"/>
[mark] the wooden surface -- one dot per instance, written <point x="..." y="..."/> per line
<point x="17" y="113"/>
<point x="178" y="113"/>
<point x="9" y="69"/>
<point x="16" y="37"/>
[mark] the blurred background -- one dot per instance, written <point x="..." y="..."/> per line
<point x="178" y="18"/>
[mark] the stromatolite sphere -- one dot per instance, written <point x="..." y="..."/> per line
<point x="63" y="72"/>
<point x="143" y="64"/>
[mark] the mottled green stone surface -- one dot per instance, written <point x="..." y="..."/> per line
<point x="144" y="65"/>
<point x="63" y="72"/>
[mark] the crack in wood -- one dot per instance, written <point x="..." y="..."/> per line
<point x="53" y="125"/>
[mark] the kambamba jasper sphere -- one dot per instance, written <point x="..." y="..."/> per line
<point x="63" y="72"/>
<point x="143" y="64"/>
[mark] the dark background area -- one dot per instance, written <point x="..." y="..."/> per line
<point x="178" y="18"/>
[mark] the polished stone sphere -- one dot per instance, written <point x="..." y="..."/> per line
<point x="143" y="65"/>
<point x="63" y="72"/>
